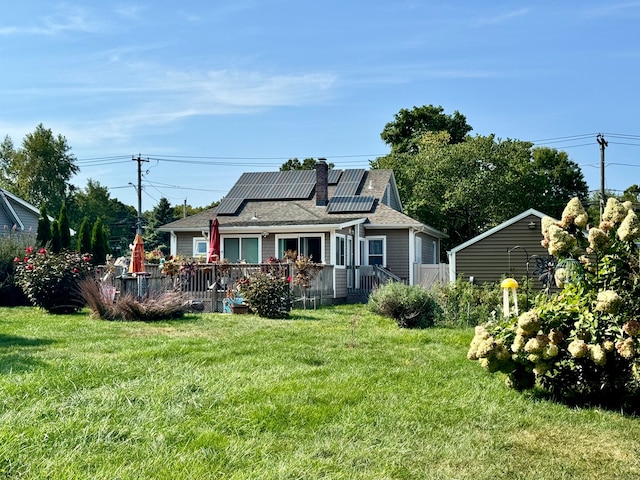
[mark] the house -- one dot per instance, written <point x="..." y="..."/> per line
<point x="16" y="214"/>
<point x="510" y="249"/>
<point x="351" y="221"/>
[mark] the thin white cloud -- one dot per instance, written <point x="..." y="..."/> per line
<point x="130" y="11"/>
<point x="501" y="18"/>
<point x="62" y="21"/>
<point x="612" y="9"/>
<point x="136" y="99"/>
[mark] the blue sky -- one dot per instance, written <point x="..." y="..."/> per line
<point x="207" y="90"/>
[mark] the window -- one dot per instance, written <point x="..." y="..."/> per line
<point x="237" y="249"/>
<point x="340" y="250"/>
<point x="435" y="252"/>
<point x="200" y="247"/>
<point x="376" y="251"/>
<point x="418" y="250"/>
<point x="307" y="246"/>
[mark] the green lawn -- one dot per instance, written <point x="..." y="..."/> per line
<point x="239" y="397"/>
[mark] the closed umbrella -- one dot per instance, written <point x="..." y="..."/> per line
<point x="137" y="255"/>
<point x="214" y="241"/>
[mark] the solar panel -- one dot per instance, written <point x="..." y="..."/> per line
<point x="334" y="176"/>
<point x="229" y="205"/>
<point x="289" y="185"/>
<point x="350" y="182"/>
<point x="350" y="204"/>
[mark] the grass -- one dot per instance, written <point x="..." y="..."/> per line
<point x="335" y="393"/>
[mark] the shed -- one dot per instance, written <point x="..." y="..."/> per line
<point x="509" y="249"/>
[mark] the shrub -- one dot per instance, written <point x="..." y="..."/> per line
<point x="12" y="245"/>
<point x="51" y="281"/>
<point x="163" y="306"/>
<point x="410" y="306"/>
<point x="268" y="295"/>
<point x="583" y="344"/>
<point x="465" y="304"/>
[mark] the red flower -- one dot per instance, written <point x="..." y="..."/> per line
<point x="75" y="270"/>
<point x="16" y="260"/>
<point x="29" y="250"/>
<point x="289" y="279"/>
<point x="42" y="251"/>
<point x="26" y="259"/>
<point x="29" y="267"/>
<point x="86" y="258"/>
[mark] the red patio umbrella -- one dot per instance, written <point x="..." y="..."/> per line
<point x="137" y="255"/>
<point x="214" y="241"/>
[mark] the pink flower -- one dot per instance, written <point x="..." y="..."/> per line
<point x="16" y="260"/>
<point x="289" y="279"/>
<point x="26" y="259"/>
<point x="42" y="251"/>
<point x="29" y="250"/>
<point x="75" y="270"/>
<point x="86" y="258"/>
<point x="29" y="267"/>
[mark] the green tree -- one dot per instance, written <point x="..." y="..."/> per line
<point x="43" y="237"/>
<point x="468" y="187"/>
<point x="98" y="243"/>
<point x="84" y="237"/>
<point x="41" y="170"/>
<point x="95" y="201"/>
<point x="306" y="164"/>
<point x="182" y="211"/>
<point x="408" y="126"/>
<point x="63" y="224"/>
<point x="559" y="179"/>
<point x="56" y="238"/>
<point x="162" y="214"/>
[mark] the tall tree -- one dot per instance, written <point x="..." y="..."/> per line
<point x="95" y="201"/>
<point x="56" y="239"/>
<point x="162" y="214"/>
<point x="41" y="170"/>
<point x="43" y="236"/>
<point x="408" y="126"/>
<point x="98" y="243"/>
<point x="468" y="187"/>
<point x="84" y="237"/>
<point x="65" y="230"/>
<point x="306" y="164"/>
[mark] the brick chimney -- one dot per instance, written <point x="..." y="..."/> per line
<point x="322" y="183"/>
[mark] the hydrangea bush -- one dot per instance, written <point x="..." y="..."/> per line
<point x="583" y="343"/>
<point x="51" y="280"/>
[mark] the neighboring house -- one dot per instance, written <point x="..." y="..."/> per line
<point x="16" y="214"/>
<point x="509" y="249"/>
<point x="344" y="219"/>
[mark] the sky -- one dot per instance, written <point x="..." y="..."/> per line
<point x="207" y="90"/>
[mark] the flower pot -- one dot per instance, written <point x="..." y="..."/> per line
<point x="240" y="308"/>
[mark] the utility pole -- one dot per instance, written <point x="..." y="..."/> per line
<point x="603" y="144"/>
<point x="139" y="191"/>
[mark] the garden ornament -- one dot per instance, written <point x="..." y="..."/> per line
<point x="509" y="284"/>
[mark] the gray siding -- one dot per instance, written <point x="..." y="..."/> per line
<point x="397" y="250"/>
<point x="488" y="260"/>
<point x="184" y="246"/>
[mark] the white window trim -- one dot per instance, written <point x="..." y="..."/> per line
<point x="194" y="250"/>
<point x="384" y="249"/>
<point x="240" y="237"/>
<point x="340" y="237"/>
<point x="321" y="236"/>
